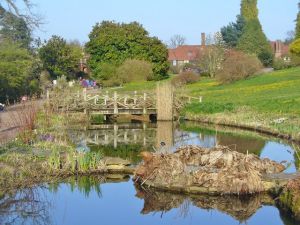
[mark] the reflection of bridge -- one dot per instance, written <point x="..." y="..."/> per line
<point x="144" y="134"/>
<point x="160" y="102"/>
<point x="118" y="135"/>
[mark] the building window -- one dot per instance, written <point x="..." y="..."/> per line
<point x="174" y="62"/>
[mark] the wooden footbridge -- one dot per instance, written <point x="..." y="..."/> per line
<point x="162" y="102"/>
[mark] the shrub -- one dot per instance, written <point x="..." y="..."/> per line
<point x="280" y="64"/>
<point x="135" y="70"/>
<point x="295" y="47"/>
<point x="185" y="78"/>
<point x="106" y="75"/>
<point x="266" y="58"/>
<point x="237" y="66"/>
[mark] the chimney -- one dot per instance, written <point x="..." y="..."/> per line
<point x="203" y="39"/>
<point x="278" y="49"/>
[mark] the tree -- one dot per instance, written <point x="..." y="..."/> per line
<point x="16" y="71"/>
<point x="211" y="58"/>
<point x="232" y="32"/>
<point x="113" y="43"/>
<point x="32" y="20"/>
<point x="295" y="47"/>
<point x="60" y="58"/>
<point x="14" y="28"/>
<point x="290" y="36"/>
<point x="249" y="10"/>
<point x="177" y="40"/>
<point x="297" y="34"/>
<point x="253" y="40"/>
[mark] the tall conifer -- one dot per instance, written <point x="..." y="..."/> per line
<point x="253" y="40"/>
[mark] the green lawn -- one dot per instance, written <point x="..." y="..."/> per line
<point x="278" y="91"/>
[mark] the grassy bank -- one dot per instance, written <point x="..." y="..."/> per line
<point x="267" y="102"/>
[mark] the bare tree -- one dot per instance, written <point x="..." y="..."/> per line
<point x="31" y="18"/>
<point x="177" y="40"/>
<point x="211" y="57"/>
<point x="290" y="36"/>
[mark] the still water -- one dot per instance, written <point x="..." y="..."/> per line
<point x="92" y="201"/>
<point x="114" y="199"/>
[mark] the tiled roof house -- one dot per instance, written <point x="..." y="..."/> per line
<point x="190" y="53"/>
<point x="186" y="53"/>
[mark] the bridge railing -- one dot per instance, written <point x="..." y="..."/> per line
<point x="78" y="101"/>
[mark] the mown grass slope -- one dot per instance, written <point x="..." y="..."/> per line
<point x="278" y="92"/>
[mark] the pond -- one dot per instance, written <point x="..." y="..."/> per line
<point x="90" y="200"/>
<point x="126" y="140"/>
<point x="114" y="199"/>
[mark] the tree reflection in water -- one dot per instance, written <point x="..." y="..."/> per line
<point x="27" y="206"/>
<point x="240" y="208"/>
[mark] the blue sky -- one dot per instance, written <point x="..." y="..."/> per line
<point x="74" y="19"/>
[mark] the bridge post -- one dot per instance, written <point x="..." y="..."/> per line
<point x="85" y="101"/>
<point x="164" y="101"/>
<point x="135" y="97"/>
<point x="115" y="103"/>
<point x="145" y="104"/>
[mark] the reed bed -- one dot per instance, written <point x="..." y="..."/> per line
<point x="217" y="170"/>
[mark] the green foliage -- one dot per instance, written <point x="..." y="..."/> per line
<point x="254" y="41"/>
<point x="232" y="32"/>
<point x="15" y="71"/>
<point x="113" y="43"/>
<point x="295" y="47"/>
<point x="280" y="64"/>
<point x="60" y="58"/>
<point x="209" y="107"/>
<point x="297" y="34"/>
<point x="106" y="74"/>
<point x="14" y="29"/>
<point x="249" y="10"/>
<point x="135" y="70"/>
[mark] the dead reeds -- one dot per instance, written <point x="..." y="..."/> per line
<point x="215" y="170"/>
<point x="19" y="120"/>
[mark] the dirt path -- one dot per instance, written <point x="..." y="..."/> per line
<point x="14" y="118"/>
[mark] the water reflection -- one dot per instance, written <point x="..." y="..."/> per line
<point x="128" y="139"/>
<point x="27" y="206"/>
<point x="113" y="199"/>
<point x="241" y="209"/>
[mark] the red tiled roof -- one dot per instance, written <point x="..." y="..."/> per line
<point x="185" y="52"/>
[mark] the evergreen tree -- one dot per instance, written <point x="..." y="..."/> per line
<point x="232" y="32"/>
<point x="253" y="40"/>
<point x="249" y="9"/>
<point x="60" y="58"/>
<point x="298" y="23"/>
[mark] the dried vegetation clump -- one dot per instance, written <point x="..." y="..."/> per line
<point x="216" y="170"/>
<point x="289" y="199"/>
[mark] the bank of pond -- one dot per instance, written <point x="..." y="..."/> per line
<point x="74" y="198"/>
